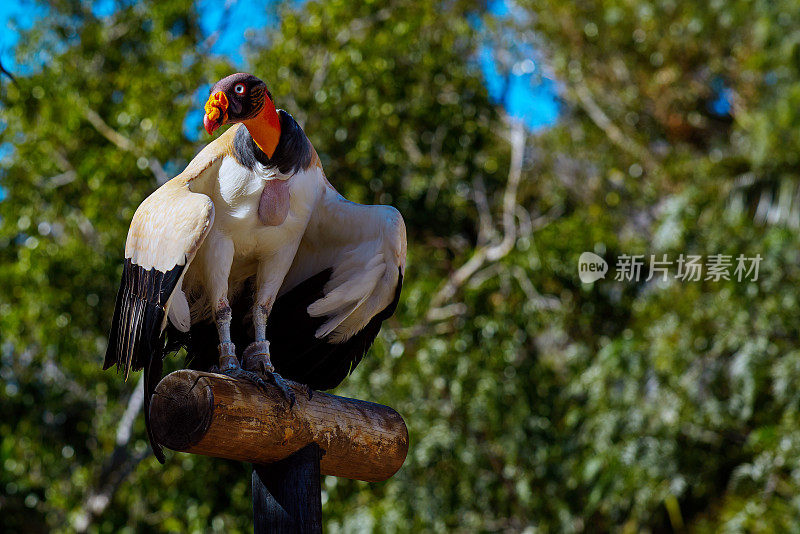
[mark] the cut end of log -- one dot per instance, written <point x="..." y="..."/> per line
<point x="215" y="415"/>
<point x="184" y="409"/>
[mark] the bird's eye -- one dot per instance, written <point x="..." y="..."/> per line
<point x="239" y="88"/>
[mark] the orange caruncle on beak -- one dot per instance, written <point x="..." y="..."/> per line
<point x="216" y="111"/>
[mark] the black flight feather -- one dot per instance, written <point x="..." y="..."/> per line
<point x="135" y="341"/>
<point x="298" y="354"/>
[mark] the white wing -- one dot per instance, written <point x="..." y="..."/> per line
<point x="365" y="246"/>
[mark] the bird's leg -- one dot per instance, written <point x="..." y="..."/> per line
<point x="271" y="271"/>
<point x="216" y="257"/>
<point x="256" y="356"/>
<point x="227" y="351"/>
<point x="228" y="363"/>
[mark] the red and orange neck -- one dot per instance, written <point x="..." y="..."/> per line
<point x="265" y="128"/>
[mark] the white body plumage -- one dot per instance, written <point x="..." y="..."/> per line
<point x="365" y="246"/>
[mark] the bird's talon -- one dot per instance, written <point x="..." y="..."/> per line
<point x="261" y="384"/>
<point x="256" y="378"/>
<point x="241" y="374"/>
<point x="287" y="392"/>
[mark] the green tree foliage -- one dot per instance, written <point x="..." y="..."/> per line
<point x="534" y="401"/>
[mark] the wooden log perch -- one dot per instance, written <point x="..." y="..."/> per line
<point x="214" y="415"/>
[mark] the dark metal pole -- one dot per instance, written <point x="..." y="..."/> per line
<point x="286" y="494"/>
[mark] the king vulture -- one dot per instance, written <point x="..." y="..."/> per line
<point x="253" y="238"/>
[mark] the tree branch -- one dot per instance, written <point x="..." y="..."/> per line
<point x="485" y="223"/>
<point x="412" y="150"/>
<point x="5" y="71"/>
<point x="225" y="20"/>
<point x="67" y="175"/>
<point x="124" y="143"/>
<point x="612" y="131"/>
<point x="534" y="297"/>
<point x="117" y="467"/>
<point x="510" y="196"/>
<point x="492" y="251"/>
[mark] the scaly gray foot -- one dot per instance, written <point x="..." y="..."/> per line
<point x="229" y="366"/>
<point x="255" y="359"/>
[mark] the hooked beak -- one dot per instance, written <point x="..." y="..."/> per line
<point x="216" y="112"/>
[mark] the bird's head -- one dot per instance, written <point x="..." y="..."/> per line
<point x="242" y="97"/>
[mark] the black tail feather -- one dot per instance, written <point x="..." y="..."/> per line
<point x="152" y="375"/>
